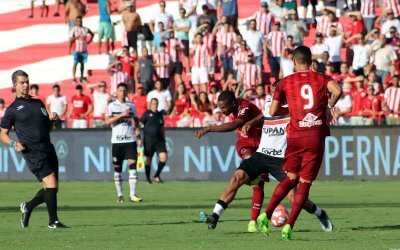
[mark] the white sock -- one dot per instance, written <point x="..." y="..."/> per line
<point x="317" y="211"/>
<point x="218" y="209"/>
<point x="132" y="182"/>
<point x="118" y="183"/>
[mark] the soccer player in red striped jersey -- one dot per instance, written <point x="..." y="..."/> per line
<point x="79" y="36"/>
<point x="162" y="62"/>
<point x="306" y="93"/>
<point x="242" y="111"/>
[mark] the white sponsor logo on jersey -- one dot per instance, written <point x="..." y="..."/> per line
<point x="310" y="120"/>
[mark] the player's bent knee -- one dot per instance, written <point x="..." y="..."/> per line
<point x="304" y="181"/>
<point x="241" y="176"/>
<point x="292" y="176"/>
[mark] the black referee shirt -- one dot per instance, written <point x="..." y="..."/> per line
<point x="30" y="120"/>
<point x="153" y="124"/>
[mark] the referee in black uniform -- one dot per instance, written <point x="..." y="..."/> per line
<point x="154" y="139"/>
<point x="32" y="125"/>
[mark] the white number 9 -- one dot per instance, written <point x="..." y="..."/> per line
<point x="307" y="94"/>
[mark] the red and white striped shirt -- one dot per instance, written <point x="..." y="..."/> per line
<point x="164" y="59"/>
<point x="393" y="5"/>
<point x="324" y="24"/>
<point x="367" y="8"/>
<point x="249" y="73"/>
<point x="208" y="40"/>
<point x="200" y="56"/>
<point x="392" y="98"/>
<point x="81" y="42"/>
<point x="277" y="42"/>
<point x="240" y="56"/>
<point x="226" y="41"/>
<point x="172" y="45"/>
<point x="264" y="21"/>
<point x="259" y="102"/>
<point x="116" y="78"/>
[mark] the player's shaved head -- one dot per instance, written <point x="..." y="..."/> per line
<point x="227" y="96"/>
<point x="302" y="55"/>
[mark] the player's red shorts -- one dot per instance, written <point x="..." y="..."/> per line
<point x="304" y="156"/>
<point x="246" y="147"/>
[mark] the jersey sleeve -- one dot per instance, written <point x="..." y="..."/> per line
<point x="279" y="94"/>
<point x="8" y="120"/>
<point x="109" y="110"/>
<point x="88" y="101"/>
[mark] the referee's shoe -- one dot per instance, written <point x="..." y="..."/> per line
<point x="26" y="215"/>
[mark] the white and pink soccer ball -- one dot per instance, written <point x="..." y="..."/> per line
<point x="279" y="216"/>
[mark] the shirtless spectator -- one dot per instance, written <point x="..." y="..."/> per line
<point x="80" y="108"/>
<point x="57" y="103"/>
<point x="132" y="23"/>
<point x="44" y="9"/>
<point x="34" y="92"/>
<point x="100" y="102"/>
<point x="73" y="10"/>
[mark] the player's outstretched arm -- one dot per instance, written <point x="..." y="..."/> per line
<point x="226" y="127"/>
<point x="336" y="91"/>
<point x="258" y="120"/>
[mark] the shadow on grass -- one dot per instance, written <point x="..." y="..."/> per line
<point x="387" y="227"/>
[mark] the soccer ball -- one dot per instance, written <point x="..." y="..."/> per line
<point x="279" y="216"/>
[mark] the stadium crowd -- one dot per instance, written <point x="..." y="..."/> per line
<point x="186" y="62"/>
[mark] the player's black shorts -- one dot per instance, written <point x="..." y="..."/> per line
<point x="176" y="69"/>
<point x="153" y="144"/>
<point x="123" y="151"/>
<point x="260" y="163"/>
<point x="41" y="159"/>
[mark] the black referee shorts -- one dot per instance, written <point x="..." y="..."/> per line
<point x="123" y="151"/>
<point x="152" y="145"/>
<point x="41" y="159"/>
<point x="260" y="163"/>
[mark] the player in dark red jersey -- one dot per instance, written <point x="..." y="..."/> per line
<point x="306" y="93"/>
<point x="242" y="111"/>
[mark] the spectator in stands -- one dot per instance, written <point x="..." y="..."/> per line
<point x="276" y="42"/>
<point x="201" y="57"/>
<point x="206" y="17"/>
<point x="225" y="40"/>
<point x="229" y="9"/>
<point x="162" y="62"/>
<point x="193" y="103"/>
<point x="304" y="4"/>
<point x="264" y="19"/>
<point x="182" y="27"/>
<point x="296" y="28"/>
<point x="345" y="78"/>
<point x="106" y="29"/>
<point x="205" y="107"/>
<point x="164" y="17"/>
<point x="128" y="61"/>
<point x="34" y="92"/>
<point x="132" y="24"/>
<point x="287" y="66"/>
<point x="355" y="26"/>
<point x="248" y="94"/>
<point x="44" y="9"/>
<point x="255" y="42"/>
<point x="79" y="37"/>
<point x="139" y="99"/>
<point x="80" y="108"/>
<point x="358" y="97"/>
<point x="391" y="6"/>
<point x="259" y="98"/>
<point x="240" y="56"/>
<point x="144" y="71"/>
<point x="190" y="7"/>
<point x="334" y="42"/>
<point x="250" y="74"/>
<point x="372" y="106"/>
<point x="361" y="53"/>
<point x="117" y="76"/>
<point x="333" y="20"/>
<point x="163" y="96"/>
<point x="394" y="41"/>
<point x="392" y="72"/>
<point x="279" y="11"/>
<point x="342" y="110"/>
<point x="318" y="48"/>
<point x="2" y="108"/>
<point x="391" y="21"/>
<point x="216" y="118"/>
<point x="391" y="102"/>
<point x="290" y="5"/>
<point x="368" y="13"/>
<point x="209" y="41"/>
<point x="73" y="10"/>
<point x="174" y="49"/>
<point x="213" y="95"/>
<point x="180" y="112"/>
<point x="159" y="37"/>
<point x="57" y="103"/>
<point x="100" y="103"/>
<point x="384" y="56"/>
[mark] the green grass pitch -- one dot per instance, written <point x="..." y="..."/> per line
<point x="365" y="216"/>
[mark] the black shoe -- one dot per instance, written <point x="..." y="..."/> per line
<point x="157" y="179"/>
<point x="25" y="216"/>
<point x="325" y="221"/>
<point x="149" y="181"/>
<point x="210" y="220"/>
<point x="84" y="80"/>
<point x="56" y="225"/>
<point x="56" y="14"/>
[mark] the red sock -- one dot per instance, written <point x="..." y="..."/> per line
<point x="300" y="197"/>
<point x="280" y="192"/>
<point x="257" y="201"/>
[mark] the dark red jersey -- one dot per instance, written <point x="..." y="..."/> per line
<point x="306" y="93"/>
<point x="247" y="111"/>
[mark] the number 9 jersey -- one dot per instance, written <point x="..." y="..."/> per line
<point x="306" y="93"/>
